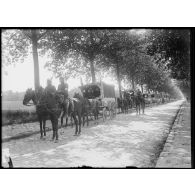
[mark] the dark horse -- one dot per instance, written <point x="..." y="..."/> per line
<point x="69" y="108"/>
<point x="86" y="107"/>
<point x="139" y="103"/>
<point x="123" y="104"/>
<point x="47" y="105"/>
<point x="76" y="108"/>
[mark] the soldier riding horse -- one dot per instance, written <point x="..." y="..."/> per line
<point x="47" y="105"/>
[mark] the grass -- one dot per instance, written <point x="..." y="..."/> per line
<point x="14" y="112"/>
<point x="16" y="105"/>
<point x="18" y="116"/>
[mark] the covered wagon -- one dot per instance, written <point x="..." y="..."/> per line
<point x="101" y="92"/>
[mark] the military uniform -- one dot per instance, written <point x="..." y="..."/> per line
<point x="50" y="90"/>
<point x="63" y="89"/>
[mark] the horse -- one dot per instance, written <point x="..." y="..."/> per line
<point x="112" y="109"/>
<point x="95" y="106"/>
<point x="66" y="111"/>
<point x="77" y="111"/>
<point x="120" y="104"/>
<point x="36" y="97"/>
<point x="125" y="104"/>
<point x="46" y="106"/>
<point x="86" y="107"/>
<point x="139" y="103"/>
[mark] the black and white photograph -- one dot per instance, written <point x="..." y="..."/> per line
<point x="96" y="97"/>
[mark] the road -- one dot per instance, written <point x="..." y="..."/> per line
<point x="127" y="140"/>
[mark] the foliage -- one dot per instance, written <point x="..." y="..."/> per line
<point x="15" y="47"/>
<point x="172" y="49"/>
<point x="81" y="46"/>
<point x="150" y="59"/>
<point x="16" y="44"/>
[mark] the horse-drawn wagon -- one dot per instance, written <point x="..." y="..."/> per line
<point x="102" y="97"/>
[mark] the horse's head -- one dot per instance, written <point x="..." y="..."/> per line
<point x="29" y="95"/>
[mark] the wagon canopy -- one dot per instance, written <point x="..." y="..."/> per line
<point x="91" y="91"/>
<point x="98" y="90"/>
<point x="108" y="90"/>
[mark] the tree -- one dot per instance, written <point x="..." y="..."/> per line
<point x="17" y="45"/>
<point x="172" y="49"/>
<point x="83" y="44"/>
<point x="116" y="50"/>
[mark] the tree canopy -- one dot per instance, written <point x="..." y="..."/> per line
<point x="152" y="58"/>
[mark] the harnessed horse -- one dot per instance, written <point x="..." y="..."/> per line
<point x="139" y="103"/>
<point x="46" y="106"/>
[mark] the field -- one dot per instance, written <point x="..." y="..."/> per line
<point x="16" y="105"/>
<point x="15" y="112"/>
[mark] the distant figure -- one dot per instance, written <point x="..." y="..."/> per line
<point x="187" y="98"/>
<point x="50" y="89"/>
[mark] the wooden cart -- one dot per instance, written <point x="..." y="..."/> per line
<point x="104" y="95"/>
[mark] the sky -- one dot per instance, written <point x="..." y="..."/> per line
<point x="21" y="76"/>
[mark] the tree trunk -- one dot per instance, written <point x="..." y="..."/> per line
<point x="119" y="80"/>
<point x="92" y="71"/>
<point x="142" y="88"/>
<point x="133" y="84"/>
<point x="92" y="57"/>
<point x="35" y="59"/>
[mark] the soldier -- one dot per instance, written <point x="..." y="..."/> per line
<point x="63" y="88"/>
<point x="50" y="89"/>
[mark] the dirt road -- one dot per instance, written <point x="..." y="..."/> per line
<point x="128" y="140"/>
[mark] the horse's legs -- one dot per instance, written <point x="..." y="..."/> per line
<point x="79" y="116"/>
<point x="56" y="128"/>
<point x="53" y="128"/>
<point x="95" y="115"/>
<point x="71" y="120"/>
<point x="136" y="107"/>
<point x="83" y="120"/>
<point x="66" y="121"/>
<point x="76" y="123"/>
<point x="87" y="120"/>
<point x="41" y="131"/>
<point x="143" y="107"/>
<point x="97" y="112"/>
<point x="44" y="121"/>
<point x="103" y="114"/>
<point x="62" y="117"/>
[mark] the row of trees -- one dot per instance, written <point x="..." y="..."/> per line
<point x="151" y="57"/>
